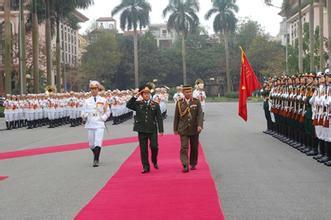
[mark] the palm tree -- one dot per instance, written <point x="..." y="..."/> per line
<point x="35" y="46"/>
<point x="329" y="31"/>
<point x="134" y="14"/>
<point x="311" y="36"/>
<point x="183" y="19"/>
<point x="48" y="36"/>
<point x="8" y="47"/>
<point x="300" y="40"/>
<point x="22" y="47"/>
<point x="224" y="23"/>
<point x="321" y="29"/>
<point x="61" y="10"/>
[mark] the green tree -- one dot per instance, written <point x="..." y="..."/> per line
<point x="224" y="23"/>
<point x="35" y="46"/>
<point x="48" y="30"/>
<point x="321" y="36"/>
<point x="22" y="55"/>
<point x="329" y="31"/>
<point x="150" y="59"/>
<point x="300" y="36"/>
<point x="102" y="58"/>
<point x="311" y="36"/>
<point x="183" y="19"/>
<point x="134" y="15"/>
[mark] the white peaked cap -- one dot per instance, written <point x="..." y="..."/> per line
<point x="94" y="83"/>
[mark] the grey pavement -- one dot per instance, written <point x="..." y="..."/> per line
<point x="257" y="176"/>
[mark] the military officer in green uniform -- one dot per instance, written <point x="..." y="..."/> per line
<point x="188" y="123"/>
<point x="147" y="122"/>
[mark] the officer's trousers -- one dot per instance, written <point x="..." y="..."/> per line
<point x="143" y="142"/>
<point x="193" y="141"/>
<point x="95" y="137"/>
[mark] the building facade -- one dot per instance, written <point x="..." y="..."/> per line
<point x="69" y="43"/>
<point x="290" y="23"/>
<point x="164" y="37"/>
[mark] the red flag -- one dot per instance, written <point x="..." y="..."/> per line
<point x="248" y="84"/>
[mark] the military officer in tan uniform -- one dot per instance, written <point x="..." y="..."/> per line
<point x="188" y="123"/>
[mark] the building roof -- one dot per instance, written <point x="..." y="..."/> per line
<point x="80" y="16"/>
<point x="106" y="19"/>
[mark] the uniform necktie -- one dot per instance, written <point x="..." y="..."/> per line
<point x="95" y="99"/>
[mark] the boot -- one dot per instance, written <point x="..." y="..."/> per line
<point x="98" y="151"/>
<point x="96" y="154"/>
<point x="11" y="124"/>
<point x="72" y="123"/>
<point x="328" y="152"/>
<point x="309" y="145"/>
<point x="321" y="151"/>
<point x="314" y="150"/>
<point x="8" y="125"/>
<point x="29" y="124"/>
<point x="327" y="156"/>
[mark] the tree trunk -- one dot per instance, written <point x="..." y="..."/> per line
<point x="329" y="31"/>
<point x="35" y="47"/>
<point x="8" y="48"/>
<point x="135" y="54"/>
<point x="321" y="43"/>
<point x="58" y="55"/>
<point x="300" y="41"/>
<point x="227" y="63"/>
<point x="22" y="49"/>
<point x="48" y="43"/>
<point x="184" y="59"/>
<point x="311" y="36"/>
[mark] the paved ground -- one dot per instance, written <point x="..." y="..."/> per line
<point x="257" y="177"/>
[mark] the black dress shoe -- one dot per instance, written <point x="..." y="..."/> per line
<point x="145" y="171"/>
<point x="185" y="169"/>
<point x="156" y="166"/>
<point x="324" y="159"/>
<point x="95" y="163"/>
<point x="318" y="156"/>
<point x="328" y="163"/>
<point x="312" y="153"/>
<point x="193" y="167"/>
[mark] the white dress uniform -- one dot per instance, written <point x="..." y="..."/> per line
<point x="178" y="96"/>
<point x="93" y="112"/>
<point x="201" y="95"/>
<point x="328" y="107"/>
<point x="9" y="115"/>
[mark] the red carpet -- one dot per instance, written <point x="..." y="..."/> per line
<point x="61" y="148"/>
<point x="162" y="194"/>
<point x="3" y="177"/>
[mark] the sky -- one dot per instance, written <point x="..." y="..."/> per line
<point x="254" y="9"/>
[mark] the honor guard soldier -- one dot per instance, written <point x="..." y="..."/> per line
<point x="147" y="122"/>
<point x="199" y="93"/>
<point x="188" y="123"/>
<point x="95" y="112"/>
<point x="9" y="115"/>
<point x="179" y="94"/>
<point x="265" y="92"/>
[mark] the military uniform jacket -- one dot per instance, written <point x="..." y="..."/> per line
<point x="93" y="112"/>
<point x="148" y="117"/>
<point x="188" y="117"/>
